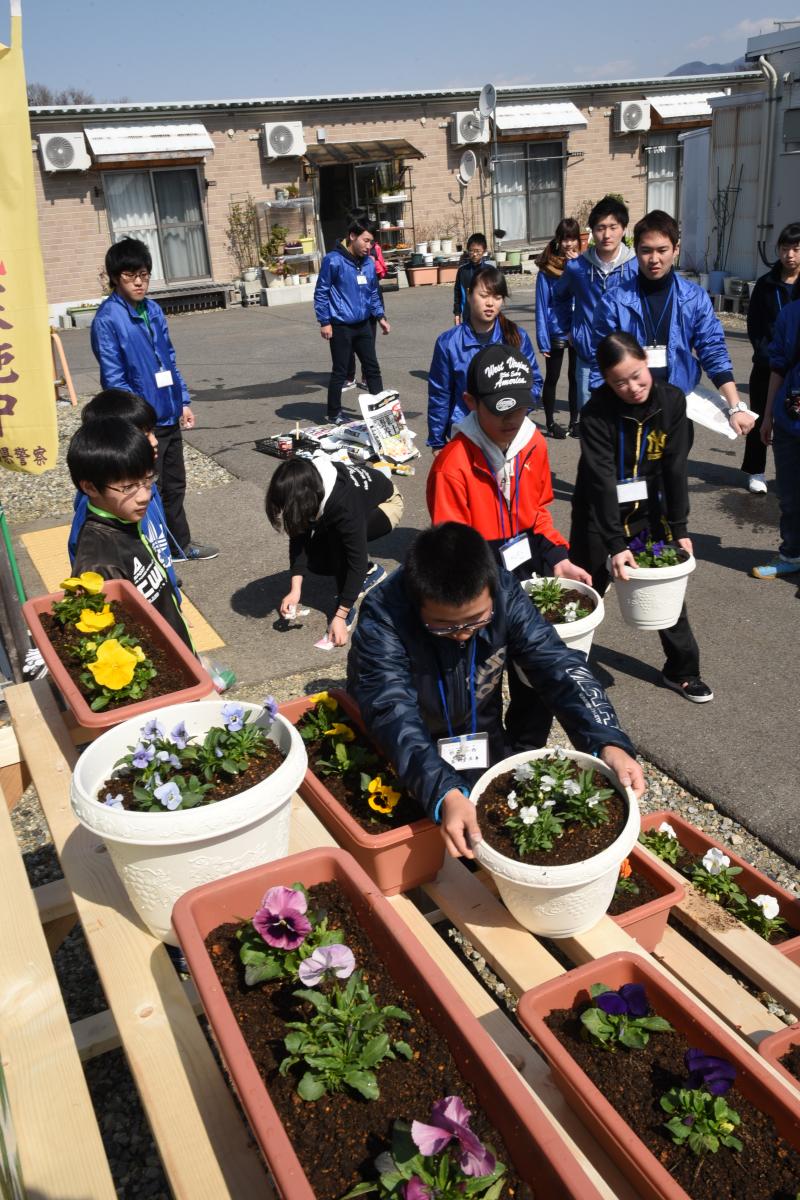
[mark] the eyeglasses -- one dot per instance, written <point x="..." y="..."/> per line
<point x="130" y="489"/>
<point x="135" y="276"/>
<point x="449" y="630"/>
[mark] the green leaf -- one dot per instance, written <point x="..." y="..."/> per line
<point x="633" y="1038"/>
<point x="403" y="1048"/>
<point x="98" y="703"/>
<point x="310" y="1087"/>
<point x="375" y="1050"/>
<point x="595" y="1022"/>
<point x="293" y="1041"/>
<point x="597" y="989"/>
<point x="363" y="1082"/>
<point x="259" y="972"/>
<point x="320" y="1002"/>
<point x="655" y="1024"/>
<point x="360" y="1189"/>
<point x="392" y="1010"/>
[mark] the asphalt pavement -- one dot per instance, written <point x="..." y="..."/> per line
<point x="257" y="371"/>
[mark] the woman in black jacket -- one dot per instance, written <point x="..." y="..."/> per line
<point x="773" y="291"/>
<point x="635" y="438"/>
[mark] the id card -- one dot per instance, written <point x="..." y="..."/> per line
<point x="469" y="752"/>
<point x="515" y="551"/>
<point x="631" y="489"/>
<point x="657" y="357"/>
<point x="163" y="379"/>
<point x="362" y="279"/>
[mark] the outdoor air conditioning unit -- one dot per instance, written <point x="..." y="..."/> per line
<point x="283" y="139"/>
<point x="63" y="152"/>
<point x="468" y="128"/>
<point x="631" y="116"/>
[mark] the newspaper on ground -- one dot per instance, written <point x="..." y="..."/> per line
<point x="386" y="424"/>
<point x="708" y="409"/>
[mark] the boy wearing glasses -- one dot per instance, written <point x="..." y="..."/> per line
<point x="114" y="465"/>
<point x="131" y="342"/>
<point x="426" y="667"/>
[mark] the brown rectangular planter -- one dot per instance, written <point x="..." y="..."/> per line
<point x="448" y="274"/>
<point x="651" y="1180"/>
<point x="422" y="276"/>
<point x="647" y="922"/>
<point x="538" y="1153"/>
<point x="398" y="859"/>
<point x="774" y="1047"/>
<point x="121" y="592"/>
<point x="751" y="880"/>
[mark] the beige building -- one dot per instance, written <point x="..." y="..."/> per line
<point x="170" y="173"/>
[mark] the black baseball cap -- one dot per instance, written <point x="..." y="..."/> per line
<point x="500" y="377"/>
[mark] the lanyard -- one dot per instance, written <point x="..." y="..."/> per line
<point x="151" y="333"/>
<point x="779" y="297"/>
<point x="666" y="310"/>
<point x="501" y="500"/>
<point x="473" y="701"/>
<point x="643" y="447"/>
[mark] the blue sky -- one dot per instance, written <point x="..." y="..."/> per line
<point x="181" y="50"/>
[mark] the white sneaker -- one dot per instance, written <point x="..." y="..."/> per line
<point x="757" y="484"/>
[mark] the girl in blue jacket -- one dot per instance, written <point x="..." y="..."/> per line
<point x="553" y="322"/>
<point x="455" y="348"/>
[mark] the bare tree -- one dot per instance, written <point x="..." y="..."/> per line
<point x="41" y="96"/>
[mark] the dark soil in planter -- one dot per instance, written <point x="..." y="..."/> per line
<point x="338" y="1137"/>
<point x="577" y="843"/>
<point x="791" y="1061"/>
<point x="347" y="788"/>
<point x="172" y="676"/>
<point x="229" y="785"/>
<point x="767" y="1167"/>
<point x="554" y="615"/>
<point x="624" y="901"/>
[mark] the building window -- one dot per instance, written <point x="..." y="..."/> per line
<point x="162" y="208"/>
<point x="663" y="152"/>
<point x="530" y="189"/>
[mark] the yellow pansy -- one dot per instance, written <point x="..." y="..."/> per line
<point x="139" y="652"/>
<point x="325" y="700"/>
<point x="69" y="585"/>
<point x="93" y="622"/>
<point x="341" y="731"/>
<point x="114" y="666"/>
<point x="90" y="581"/>
<point x="379" y="791"/>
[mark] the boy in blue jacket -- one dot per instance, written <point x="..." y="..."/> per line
<point x="131" y="342"/>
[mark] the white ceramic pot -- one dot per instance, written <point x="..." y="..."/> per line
<point x="161" y="855"/>
<point x="421" y="248"/>
<point x="312" y="277"/>
<point x="577" y="634"/>
<point x="447" y="245"/>
<point x="652" y="597"/>
<point x="428" y="260"/>
<point x="561" y="901"/>
<point x="500" y="256"/>
<point x="436" y="246"/>
<point x="277" y="282"/>
<point x="250" y="274"/>
<point x="400" y="223"/>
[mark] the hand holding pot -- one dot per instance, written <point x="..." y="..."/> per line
<point x="459" y="824"/>
<point x="620" y="561"/>
<point x="569" y="570"/>
<point x="628" y="771"/>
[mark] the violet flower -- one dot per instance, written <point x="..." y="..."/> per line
<point x="233" y="716"/>
<point x="638" y="544"/>
<point x="415" y="1189"/>
<point x="271" y="707"/>
<point x="657" y="549"/>
<point x="164" y="756"/>
<point x="337" y="959"/>
<point x="630" y="1001"/>
<point x="281" y="919"/>
<point x="169" y="794"/>
<point x="114" y="801"/>
<point x="152" y="730"/>
<point x="714" y="1075"/>
<point x="450" y="1119"/>
<point x="143" y="755"/>
<point x="180" y="735"/>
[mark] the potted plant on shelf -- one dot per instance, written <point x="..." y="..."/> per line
<point x="323" y="948"/>
<point x="652" y="596"/>
<point x="242" y="235"/>
<point x="109" y="653"/>
<point x="556" y="825"/>
<point x="199" y="791"/>
<point x="574" y="609"/>
<point x="357" y="798"/>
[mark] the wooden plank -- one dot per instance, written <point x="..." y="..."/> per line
<point x="98" y="1033"/>
<point x="14" y="777"/>
<point x="183" y="1090"/>
<point x="53" y="900"/>
<point x="61" y="1151"/>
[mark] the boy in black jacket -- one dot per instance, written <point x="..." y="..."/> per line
<point x="476" y="260"/>
<point x="114" y="464"/>
<point x="635" y="439"/>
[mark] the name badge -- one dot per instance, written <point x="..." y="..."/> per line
<point x="657" y="357"/>
<point x="163" y="379"/>
<point x="361" y="279"/>
<point x="516" y="551"/>
<point x="631" y="489"/>
<point x="468" y="752"/>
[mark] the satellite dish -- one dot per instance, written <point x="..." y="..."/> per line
<point x="499" y="234"/>
<point x="487" y="102"/>
<point x="467" y="166"/>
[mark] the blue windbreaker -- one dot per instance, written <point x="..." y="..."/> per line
<point x="154" y="528"/>
<point x="339" y="297"/>
<point x="784" y="359"/>
<point x="585" y="284"/>
<point x="447" y="377"/>
<point x="693" y="327"/>
<point x="130" y="352"/>
<point x="553" y="316"/>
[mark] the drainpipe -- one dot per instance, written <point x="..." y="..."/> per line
<point x="767" y="159"/>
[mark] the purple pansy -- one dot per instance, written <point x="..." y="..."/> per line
<point x="180" y="735"/>
<point x="114" y="801"/>
<point x="169" y="794"/>
<point x="153" y="730"/>
<point x="271" y="707"/>
<point x="281" y="919"/>
<point x="415" y="1189"/>
<point x="630" y="1001"/>
<point x="143" y="756"/>
<point x="233" y="716"/>
<point x="450" y="1119"/>
<point x="657" y="549"/>
<point x="337" y="959"/>
<point x="638" y="544"/>
<point x="715" y="1075"/>
<point x="165" y="757"/>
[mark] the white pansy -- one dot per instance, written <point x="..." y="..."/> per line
<point x="768" y="905"/>
<point x="570" y="787"/>
<point x="560" y="752"/>
<point x="715" y="861"/>
<point x="666" y="828"/>
<point x="511" y="802"/>
<point x="549" y="804"/>
<point x="570" y="612"/>
<point x="511" y="796"/>
<point x="529" y="814"/>
<point x="523" y="773"/>
<point x="593" y="801"/>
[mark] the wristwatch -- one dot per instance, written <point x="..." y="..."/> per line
<point x="740" y="406"/>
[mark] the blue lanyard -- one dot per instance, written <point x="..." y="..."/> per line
<point x="501" y="500"/>
<point x="666" y="310"/>
<point x="473" y="701"/>
<point x="622" y="475"/>
<point x="779" y="297"/>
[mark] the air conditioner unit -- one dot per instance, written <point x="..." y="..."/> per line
<point x="63" y="152"/>
<point x="283" y="139"/>
<point x="468" y="128"/>
<point x="631" y="116"/>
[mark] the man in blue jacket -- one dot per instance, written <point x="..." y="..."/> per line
<point x="347" y="295"/>
<point x="131" y="342"/>
<point x="672" y="318"/>
<point x="426" y="665"/>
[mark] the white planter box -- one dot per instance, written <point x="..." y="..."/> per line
<point x="289" y="295"/>
<point x="653" y="596"/>
<point x="577" y="635"/>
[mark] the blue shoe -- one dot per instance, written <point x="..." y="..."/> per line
<point x="375" y="575"/>
<point x="196" y="553"/>
<point x="778" y="566"/>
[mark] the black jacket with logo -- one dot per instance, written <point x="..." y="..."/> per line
<point x="653" y="441"/>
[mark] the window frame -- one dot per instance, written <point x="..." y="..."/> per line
<point x="525" y="147"/>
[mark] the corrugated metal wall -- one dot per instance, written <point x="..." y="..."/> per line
<point x="694" y="199"/>
<point x="733" y="179"/>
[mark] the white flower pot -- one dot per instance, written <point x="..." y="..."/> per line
<point x="576" y="634"/>
<point x="652" y="597"/>
<point x="500" y="256"/>
<point x="421" y="248"/>
<point x="250" y="274"/>
<point x="436" y="246"/>
<point x="161" y="855"/>
<point x="312" y="277"/>
<point x="447" y="246"/>
<point x="560" y="901"/>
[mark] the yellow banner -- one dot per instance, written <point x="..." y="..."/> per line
<point x="28" y="429"/>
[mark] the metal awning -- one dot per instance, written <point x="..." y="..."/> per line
<point x="683" y="106"/>
<point x="141" y="143"/>
<point x="513" y="118"/>
<point x="328" y="154"/>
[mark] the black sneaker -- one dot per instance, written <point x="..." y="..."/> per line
<point x="692" y="688"/>
<point x="573" y="430"/>
<point x="375" y="575"/>
<point x="555" y="431"/>
<point x="341" y="418"/>
<point x="197" y="553"/>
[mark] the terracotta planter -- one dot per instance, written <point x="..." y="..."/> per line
<point x="647" y="922"/>
<point x="422" y="276"/>
<point x="397" y="860"/>
<point x="774" y="1047"/>
<point x="447" y="274"/>
<point x="535" y="1149"/>
<point x="578" y="635"/>
<point x="651" y="1180"/>
<point x="122" y="592"/>
<point x="751" y="881"/>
